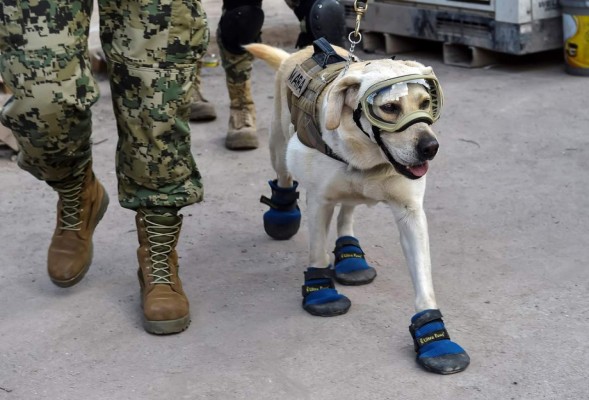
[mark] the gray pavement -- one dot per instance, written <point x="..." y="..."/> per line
<point x="508" y="216"/>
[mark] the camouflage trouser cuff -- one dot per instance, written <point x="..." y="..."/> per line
<point x="56" y="173"/>
<point x="134" y="196"/>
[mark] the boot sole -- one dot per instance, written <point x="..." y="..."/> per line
<point x="202" y="118"/>
<point x="242" y="141"/>
<point x="82" y="273"/>
<point x="166" y="327"/>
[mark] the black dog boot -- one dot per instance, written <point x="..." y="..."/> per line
<point x="435" y="351"/>
<point x="351" y="267"/>
<point x="283" y="219"/>
<point x="320" y="298"/>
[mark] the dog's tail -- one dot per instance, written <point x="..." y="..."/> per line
<point x="272" y="55"/>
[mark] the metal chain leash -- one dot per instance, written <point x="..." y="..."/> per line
<point x="355" y="36"/>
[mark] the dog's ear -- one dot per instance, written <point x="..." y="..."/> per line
<point x="340" y="94"/>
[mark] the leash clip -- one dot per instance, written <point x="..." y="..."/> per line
<point x="360" y="8"/>
<point x="355" y="36"/>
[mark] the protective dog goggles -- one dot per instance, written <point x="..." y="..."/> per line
<point x="383" y="106"/>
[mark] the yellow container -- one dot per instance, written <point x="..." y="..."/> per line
<point x="575" y="22"/>
<point x="210" y="61"/>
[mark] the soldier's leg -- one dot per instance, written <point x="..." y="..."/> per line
<point x="240" y="23"/>
<point x="201" y="110"/>
<point x="319" y="18"/>
<point x="152" y="50"/>
<point x="43" y="59"/>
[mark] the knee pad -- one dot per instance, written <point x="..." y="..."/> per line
<point x="241" y="23"/>
<point x="321" y="18"/>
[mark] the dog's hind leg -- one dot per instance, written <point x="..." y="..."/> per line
<point x="320" y="214"/>
<point x="435" y="351"/>
<point x="278" y="143"/>
<point x="350" y="266"/>
<point x="283" y="219"/>
<point x="319" y="295"/>
<point x="345" y="220"/>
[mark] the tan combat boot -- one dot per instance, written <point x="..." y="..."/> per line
<point x="80" y="207"/>
<point x="165" y="306"/>
<point x="201" y="109"/>
<point x="242" y="118"/>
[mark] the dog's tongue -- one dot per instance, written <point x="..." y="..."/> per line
<point x="418" y="170"/>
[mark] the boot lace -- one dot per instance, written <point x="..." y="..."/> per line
<point x="70" y="197"/>
<point x="161" y="239"/>
<point x="241" y="118"/>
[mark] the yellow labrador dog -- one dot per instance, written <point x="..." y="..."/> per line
<point x="356" y="133"/>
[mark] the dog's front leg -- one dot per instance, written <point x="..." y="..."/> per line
<point x="350" y="266"/>
<point x="435" y="351"/>
<point x="319" y="294"/>
<point x="412" y="224"/>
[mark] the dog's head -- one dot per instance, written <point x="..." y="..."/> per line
<point x="384" y="109"/>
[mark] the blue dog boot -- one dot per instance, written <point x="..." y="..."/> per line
<point x="435" y="351"/>
<point x="351" y="267"/>
<point x="283" y="219"/>
<point x="319" y="295"/>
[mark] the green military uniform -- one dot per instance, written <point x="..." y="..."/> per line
<point x="152" y="48"/>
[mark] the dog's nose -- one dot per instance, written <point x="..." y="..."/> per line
<point x="427" y="148"/>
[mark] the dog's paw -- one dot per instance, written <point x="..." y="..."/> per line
<point x="435" y="351"/>
<point x="320" y="297"/>
<point x="350" y="266"/>
<point x="283" y="219"/>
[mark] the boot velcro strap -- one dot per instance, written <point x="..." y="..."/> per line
<point x="349" y="254"/>
<point x="308" y="289"/>
<point x="318" y="273"/>
<point x="324" y="278"/>
<point x="441" y="334"/>
<point x="425" y="318"/>
<point x="344" y="256"/>
<point x="341" y="243"/>
<point x="279" y="207"/>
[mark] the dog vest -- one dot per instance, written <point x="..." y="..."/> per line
<point x="306" y="83"/>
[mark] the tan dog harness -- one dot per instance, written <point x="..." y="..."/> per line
<point x="306" y="83"/>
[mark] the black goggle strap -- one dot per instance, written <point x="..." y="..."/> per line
<point x="356" y="116"/>
<point x="375" y="132"/>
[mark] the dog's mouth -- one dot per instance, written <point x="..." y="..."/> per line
<point x="411" y="171"/>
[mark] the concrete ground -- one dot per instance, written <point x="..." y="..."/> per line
<point x="508" y="216"/>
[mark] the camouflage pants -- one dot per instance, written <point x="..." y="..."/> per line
<point x="152" y="47"/>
